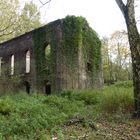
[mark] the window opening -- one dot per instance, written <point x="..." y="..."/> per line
<point x="27" y="61"/>
<point x="12" y="65"/>
<point x="47" y="51"/>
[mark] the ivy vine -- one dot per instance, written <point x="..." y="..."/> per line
<point x="76" y="34"/>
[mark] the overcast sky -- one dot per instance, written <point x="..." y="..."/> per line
<point x="104" y="16"/>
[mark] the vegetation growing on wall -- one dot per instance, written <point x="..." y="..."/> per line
<point x="92" y="53"/>
<point x="71" y="38"/>
<point x="92" y="46"/>
<point x="43" y="37"/>
<point x="77" y="33"/>
<point x="80" y="39"/>
<point x="39" y="40"/>
<point x="76" y="36"/>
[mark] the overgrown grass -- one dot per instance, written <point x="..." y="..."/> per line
<point x="24" y="117"/>
<point x="112" y="99"/>
<point x="89" y="97"/>
<point x="124" y="84"/>
<point x="115" y="99"/>
<point x="39" y="117"/>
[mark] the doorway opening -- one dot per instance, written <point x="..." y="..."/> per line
<point x="27" y="87"/>
<point x="47" y="87"/>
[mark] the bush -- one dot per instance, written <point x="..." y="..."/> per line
<point x="124" y="84"/>
<point x="36" y="114"/>
<point x="89" y="97"/>
<point x="64" y="105"/>
<point x="39" y="117"/>
<point x="117" y="99"/>
<point x="6" y="106"/>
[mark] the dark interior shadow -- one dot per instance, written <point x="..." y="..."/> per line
<point x="47" y="87"/>
<point x="27" y="86"/>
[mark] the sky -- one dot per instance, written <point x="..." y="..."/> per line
<point x="103" y="16"/>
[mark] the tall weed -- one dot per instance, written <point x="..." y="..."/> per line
<point x="116" y="99"/>
<point x="89" y="97"/>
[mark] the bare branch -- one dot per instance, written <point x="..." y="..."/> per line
<point x="122" y="6"/>
<point x="5" y="34"/>
<point x="11" y="23"/>
<point x="45" y="2"/>
<point x="7" y="27"/>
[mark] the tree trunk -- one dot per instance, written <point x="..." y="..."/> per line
<point x="134" y="41"/>
<point x="135" y="53"/>
<point x="135" y="50"/>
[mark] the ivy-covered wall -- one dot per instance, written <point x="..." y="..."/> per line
<point x="75" y="59"/>
<point x="49" y="35"/>
<point x="81" y="49"/>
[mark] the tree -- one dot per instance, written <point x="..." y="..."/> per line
<point x="119" y="47"/>
<point x="116" y="57"/>
<point x="8" y="18"/>
<point x="29" y="19"/>
<point x="107" y="63"/>
<point x="128" y="12"/>
<point x="15" y="21"/>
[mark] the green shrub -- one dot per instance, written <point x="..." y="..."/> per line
<point x="116" y="99"/>
<point x="64" y="105"/>
<point x="39" y="117"/>
<point x="6" y="106"/>
<point x="124" y="84"/>
<point x="67" y="94"/>
<point x="34" y="114"/>
<point x="89" y="97"/>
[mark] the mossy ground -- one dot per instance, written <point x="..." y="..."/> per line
<point x="83" y="115"/>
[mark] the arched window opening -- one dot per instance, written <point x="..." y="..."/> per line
<point x="12" y="65"/>
<point x="28" y="61"/>
<point x="47" y="52"/>
<point x="48" y="58"/>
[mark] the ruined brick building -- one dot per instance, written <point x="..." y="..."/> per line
<point x="62" y="55"/>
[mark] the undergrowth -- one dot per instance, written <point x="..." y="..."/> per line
<point x="41" y="117"/>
